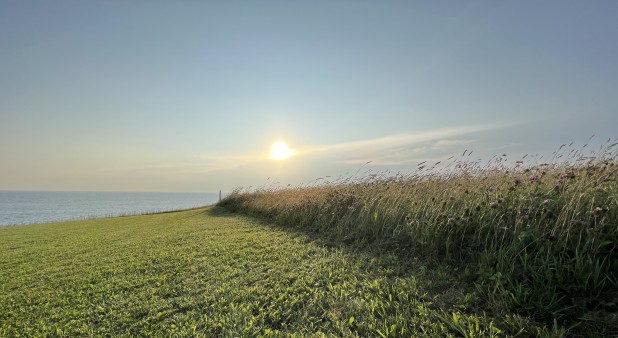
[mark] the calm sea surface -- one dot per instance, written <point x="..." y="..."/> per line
<point x="27" y="207"/>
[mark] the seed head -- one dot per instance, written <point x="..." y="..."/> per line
<point x="568" y="174"/>
<point x="597" y="211"/>
<point x="517" y="181"/>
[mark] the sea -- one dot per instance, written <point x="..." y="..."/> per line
<point x="29" y="207"/>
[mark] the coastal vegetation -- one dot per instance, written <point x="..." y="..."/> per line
<point x="209" y="273"/>
<point x="454" y="249"/>
<point x="538" y="242"/>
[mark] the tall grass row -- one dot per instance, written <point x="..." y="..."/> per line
<point x="540" y="239"/>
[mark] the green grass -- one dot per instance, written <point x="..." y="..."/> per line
<point x="539" y="241"/>
<point x="461" y="249"/>
<point x="209" y="273"/>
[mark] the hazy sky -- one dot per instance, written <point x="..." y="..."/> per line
<point x="190" y="96"/>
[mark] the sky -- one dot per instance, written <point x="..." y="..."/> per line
<point x="191" y="95"/>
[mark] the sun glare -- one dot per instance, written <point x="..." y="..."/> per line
<point x="280" y="151"/>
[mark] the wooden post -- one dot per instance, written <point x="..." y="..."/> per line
<point x="219" y="195"/>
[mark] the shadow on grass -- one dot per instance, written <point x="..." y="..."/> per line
<point x="441" y="286"/>
<point x="319" y="238"/>
<point x="216" y="211"/>
<point x="329" y="241"/>
<point x="444" y="280"/>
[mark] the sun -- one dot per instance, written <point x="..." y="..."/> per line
<point x="280" y="151"/>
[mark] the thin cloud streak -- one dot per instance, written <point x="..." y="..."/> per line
<point x="387" y="150"/>
<point x="403" y="156"/>
<point x="397" y="140"/>
<point x="397" y="149"/>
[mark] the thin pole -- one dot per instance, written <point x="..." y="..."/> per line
<point x="219" y="195"/>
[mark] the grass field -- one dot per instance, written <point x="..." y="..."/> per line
<point x="209" y="273"/>
<point x="538" y="240"/>
<point x="481" y="252"/>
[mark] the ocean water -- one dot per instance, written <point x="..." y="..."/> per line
<point x="27" y="207"/>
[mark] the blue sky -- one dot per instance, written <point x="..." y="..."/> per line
<point x="190" y="96"/>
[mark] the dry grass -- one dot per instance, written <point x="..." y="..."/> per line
<point x="540" y="238"/>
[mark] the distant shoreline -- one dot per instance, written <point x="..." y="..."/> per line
<point x="145" y="213"/>
<point x="42" y="207"/>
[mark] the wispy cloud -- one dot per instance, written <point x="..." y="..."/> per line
<point x="400" y="149"/>
<point x="396" y="149"/>
<point x="391" y="141"/>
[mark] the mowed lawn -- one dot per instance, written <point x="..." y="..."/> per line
<point x="209" y="273"/>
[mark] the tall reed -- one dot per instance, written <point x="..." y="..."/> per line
<point x="539" y="238"/>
